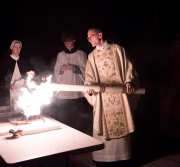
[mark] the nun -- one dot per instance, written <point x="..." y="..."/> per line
<point x="12" y="68"/>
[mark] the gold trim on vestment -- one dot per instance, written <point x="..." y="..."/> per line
<point x="114" y="72"/>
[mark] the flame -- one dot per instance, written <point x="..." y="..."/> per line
<point x="30" y="75"/>
<point x="32" y="100"/>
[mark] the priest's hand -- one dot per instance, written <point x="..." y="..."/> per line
<point x="90" y="92"/>
<point x="13" y="87"/>
<point x="129" y="88"/>
<point x="64" y="68"/>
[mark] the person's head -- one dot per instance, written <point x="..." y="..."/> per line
<point x="16" y="47"/>
<point x="68" y="38"/>
<point x="95" y="36"/>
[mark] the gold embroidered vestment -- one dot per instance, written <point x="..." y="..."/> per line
<point x="112" y="115"/>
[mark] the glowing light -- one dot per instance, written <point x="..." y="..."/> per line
<point x="34" y="96"/>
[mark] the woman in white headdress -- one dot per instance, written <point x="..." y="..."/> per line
<point x="12" y="68"/>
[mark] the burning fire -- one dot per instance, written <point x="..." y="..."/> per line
<point x="34" y="96"/>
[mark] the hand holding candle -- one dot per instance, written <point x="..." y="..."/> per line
<point x="129" y="88"/>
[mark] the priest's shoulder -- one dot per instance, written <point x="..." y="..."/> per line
<point x="91" y="54"/>
<point x="116" y="46"/>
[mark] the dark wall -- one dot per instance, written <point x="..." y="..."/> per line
<point x="144" y="28"/>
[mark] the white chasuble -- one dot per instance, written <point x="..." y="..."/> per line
<point x="112" y="113"/>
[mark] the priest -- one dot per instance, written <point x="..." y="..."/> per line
<point x="109" y="65"/>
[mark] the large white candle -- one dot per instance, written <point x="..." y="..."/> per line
<point x="96" y="88"/>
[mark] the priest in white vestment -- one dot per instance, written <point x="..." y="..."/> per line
<point x="108" y="65"/>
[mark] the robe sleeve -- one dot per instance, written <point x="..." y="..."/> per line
<point x="82" y="65"/>
<point x="91" y="79"/>
<point x="77" y="70"/>
<point x="129" y="74"/>
<point x="126" y="66"/>
<point x="58" y="66"/>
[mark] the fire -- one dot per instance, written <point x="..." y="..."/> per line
<point x="34" y="96"/>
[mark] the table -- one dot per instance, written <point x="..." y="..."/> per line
<point x="65" y="141"/>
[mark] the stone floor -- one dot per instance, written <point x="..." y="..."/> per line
<point x="160" y="158"/>
<point x="85" y="160"/>
<point x="171" y="160"/>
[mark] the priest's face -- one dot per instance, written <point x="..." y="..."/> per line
<point x="16" y="49"/>
<point x="69" y="44"/>
<point x="94" y="38"/>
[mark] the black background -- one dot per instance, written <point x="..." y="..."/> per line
<point x="144" y="28"/>
<point x="39" y="24"/>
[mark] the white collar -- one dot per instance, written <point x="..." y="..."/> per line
<point x="15" y="57"/>
<point x="103" y="46"/>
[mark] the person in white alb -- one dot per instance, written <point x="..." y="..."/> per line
<point x="108" y="65"/>
<point x="70" y="69"/>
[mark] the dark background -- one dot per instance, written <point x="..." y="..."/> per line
<point x="39" y="24"/>
<point x="144" y="28"/>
